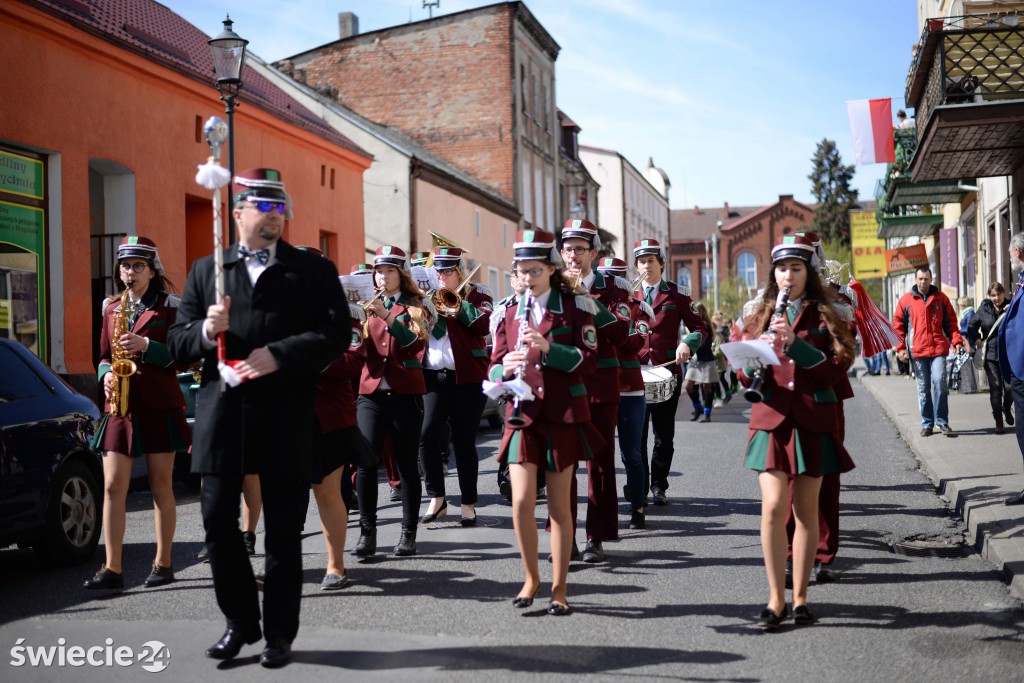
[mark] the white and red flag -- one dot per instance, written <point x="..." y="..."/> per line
<point x="871" y="127"/>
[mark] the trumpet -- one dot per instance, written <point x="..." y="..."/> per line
<point x="636" y="283"/>
<point x="448" y="302"/>
<point x="378" y="294"/>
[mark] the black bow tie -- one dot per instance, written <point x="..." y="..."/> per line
<point x="261" y="255"/>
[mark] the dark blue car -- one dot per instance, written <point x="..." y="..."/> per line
<point x="51" y="484"/>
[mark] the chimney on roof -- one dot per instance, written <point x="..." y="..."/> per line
<point x="348" y="24"/>
<point x="696" y="210"/>
<point x="726" y="207"/>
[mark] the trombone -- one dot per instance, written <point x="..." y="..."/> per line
<point x="448" y="302"/>
<point x="378" y="295"/>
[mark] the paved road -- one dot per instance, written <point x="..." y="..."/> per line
<point x="675" y="601"/>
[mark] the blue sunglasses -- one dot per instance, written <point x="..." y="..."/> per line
<point x="267" y="207"/>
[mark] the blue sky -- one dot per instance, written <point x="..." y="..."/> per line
<point x="729" y="97"/>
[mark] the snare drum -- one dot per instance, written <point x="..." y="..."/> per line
<point x="659" y="383"/>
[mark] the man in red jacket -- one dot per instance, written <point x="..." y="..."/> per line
<point x="929" y="313"/>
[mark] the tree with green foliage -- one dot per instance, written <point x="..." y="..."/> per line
<point x="830" y="185"/>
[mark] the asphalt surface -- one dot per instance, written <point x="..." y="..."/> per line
<point x="674" y="601"/>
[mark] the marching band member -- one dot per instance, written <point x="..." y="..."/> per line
<point x="632" y="405"/>
<point x="135" y="325"/>
<point x="284" y="318"/>
<point x="794" y="431"/>
<point x="391" y="393"/>
<point x="580" y="242"/>
<point x="497" y="315"/>
<point x="672" y="306"/>
<point x="454" y="366"/>
<point x="419" y="258"/>
<point x="702" y="373"/>
<point x="548" y="341"/>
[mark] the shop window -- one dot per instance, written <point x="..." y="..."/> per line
<point x="746" y="269"/>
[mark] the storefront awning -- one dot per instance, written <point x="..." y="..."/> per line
<point x="906" y="193"/>
<point x="923" y="225"/>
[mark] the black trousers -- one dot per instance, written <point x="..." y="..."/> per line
<point x="661" y="416"/>
<point x="463" y="403"/>
<point x="401" y="415"/>
<point x="999" y="394"/>
<point x="233" y="581"/>
<point x="1017" y="390"/>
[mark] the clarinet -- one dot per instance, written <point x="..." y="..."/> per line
<point x="754" y="393"/>
<point x="516" y="419"/>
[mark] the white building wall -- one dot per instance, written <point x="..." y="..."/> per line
<point x="606" y="169"/>
<point x="646" y="210"/>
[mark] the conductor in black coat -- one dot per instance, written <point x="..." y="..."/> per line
<point x="285" y="318"/>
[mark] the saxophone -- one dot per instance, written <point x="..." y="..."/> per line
<point x="121" y="365"/>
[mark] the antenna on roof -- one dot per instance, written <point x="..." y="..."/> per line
<point x="429" y="5"/>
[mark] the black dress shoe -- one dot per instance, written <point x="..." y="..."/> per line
<point x="659" y="496"/>
<point x="594" y="552"/>
<point x="406" y="543"/>
<point x="105" y="579"/>
<point x="250" y="541"/>
<point x="556" y="610"/>
<point x="1008" y="414"/>
<point x="160" y="576"/>
<point x="637" y="520"/>
<point x="396" y="494"/>
<point x="1015" y="500"/>
<point x="696" y="414"/>
<point x="769" y="620"/>
<point x="802" y="615"/>
<point x="366" y="546"/>
<point x="822" y="573"/>
<point x="230" y="644"/>
<point x="276" y="654"/>
<point x="505" y="489"/>
<point x="204" y="554"/>
<point x="436" y="515"/>
<point x="468" y="521"/>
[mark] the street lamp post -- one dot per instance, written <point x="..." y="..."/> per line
<point x="714" y="259"/>
<point x="228" y="51"/>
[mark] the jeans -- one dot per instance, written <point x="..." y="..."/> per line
<point x="931" y="372"/>
<point x="632" y="411"/>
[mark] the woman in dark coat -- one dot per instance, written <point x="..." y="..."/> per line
<point x="986" y="322"/>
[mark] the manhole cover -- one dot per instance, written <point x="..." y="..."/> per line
<point x="931" y="549"/>
<point x="456" y="524"/>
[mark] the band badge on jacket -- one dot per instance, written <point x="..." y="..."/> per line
<point x="693" y="307"/>
<point x="643" y="328"/>
<point x="486" y="306"/>
<point x="622" y="310"/>
<point x="356" y="342"/>
<point x="590" y="337"/>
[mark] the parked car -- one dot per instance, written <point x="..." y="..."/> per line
<point x="51" y="483"/>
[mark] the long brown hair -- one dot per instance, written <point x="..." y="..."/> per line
<point x="816" y="292"/>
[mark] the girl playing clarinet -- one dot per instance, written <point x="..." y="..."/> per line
<point x="794" y="430"/>
<point x="548" y="341"/>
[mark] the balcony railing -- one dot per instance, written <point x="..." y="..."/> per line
<point x="968" y="59"/>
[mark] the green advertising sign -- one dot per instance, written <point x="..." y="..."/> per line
<point x="23" y="227"/>
<point x="21" y="176"/>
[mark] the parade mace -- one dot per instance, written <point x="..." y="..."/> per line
<point x="213" y="176"/>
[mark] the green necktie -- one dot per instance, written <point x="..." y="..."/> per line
<point x="389" y="302"/>
<point x="791" y="312"/>
<point x="650" y="296"/>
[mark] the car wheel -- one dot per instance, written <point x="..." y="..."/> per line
<point x="73" y="516"/>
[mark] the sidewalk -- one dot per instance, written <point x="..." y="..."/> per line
<point x="975" y="469"/>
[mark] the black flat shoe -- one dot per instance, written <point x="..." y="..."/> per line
<point x="160" y="576"/>
<point x="105" y="579"/>
<point x="803" y="616"/>
<point x="436" y="515"/>
<point x="522" y="603"/>
<point x="468" y="521"/>
<point x="593" y="553"/>
<point x="276" y="654"/>
<point x="230" y="644"/>
<point x="366" y="546"/>
<point x="659" y="496"/>
<point x="637" y="520"/>
<point x="396" y="495"/>
<point x="556" y="610"/>
<point x="769" y="620"/>
<point x="249" y="537"/>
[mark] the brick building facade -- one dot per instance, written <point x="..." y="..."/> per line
<point x="474" y="87"/>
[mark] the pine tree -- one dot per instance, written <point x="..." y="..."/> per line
<point x="830" y="185"/>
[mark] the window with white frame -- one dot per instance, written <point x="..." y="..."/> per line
<point x="683" y="276"/>
<point x="746" y="269"/>
<point x="492" y="278"/>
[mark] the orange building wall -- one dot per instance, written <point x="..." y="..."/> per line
<point x="69" y="92"/>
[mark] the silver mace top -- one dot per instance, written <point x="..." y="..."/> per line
<point x="216" y="132"/>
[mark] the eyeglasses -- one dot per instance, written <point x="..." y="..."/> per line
<point x="445" y="271"/>
<point x="267" y="207"/>
<point x="578" y="251"/>
<point x="136" y="267"/>
<point x="532" y="272"/>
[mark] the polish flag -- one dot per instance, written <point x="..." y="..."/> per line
<point x="871" y="126"/>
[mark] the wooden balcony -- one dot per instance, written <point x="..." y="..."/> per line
<point x="967" y="87"/>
